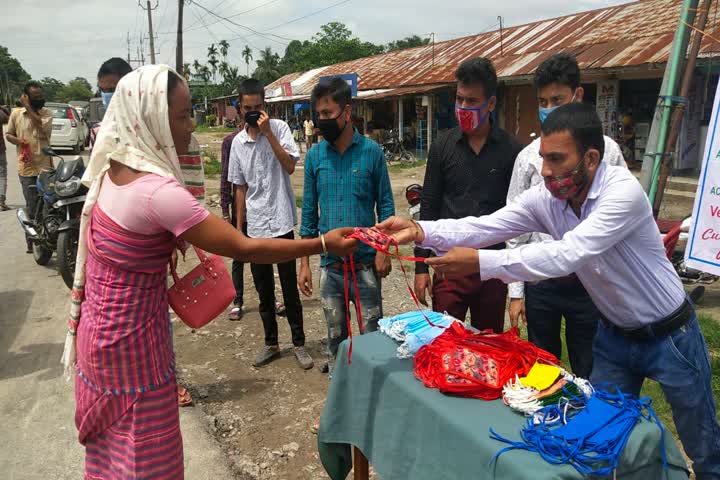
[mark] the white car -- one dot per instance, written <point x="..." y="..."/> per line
<point x="68" y="130"/>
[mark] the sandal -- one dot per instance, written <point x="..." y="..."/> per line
<point x="236" y="313"/>
<point x="184" y="398"/>
<point x="315" y="428"/>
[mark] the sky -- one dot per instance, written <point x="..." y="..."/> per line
<point x="65" y="39"/>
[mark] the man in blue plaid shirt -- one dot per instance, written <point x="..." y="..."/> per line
<point x="346" y="185"/>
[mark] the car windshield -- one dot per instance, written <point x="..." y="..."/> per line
<point x="59" y="112"/>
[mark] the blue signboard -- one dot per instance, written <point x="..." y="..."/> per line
<point x="350" y="78"/>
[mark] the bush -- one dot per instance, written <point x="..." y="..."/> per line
<point x="211" y="120"/>
<point x="211" y="165"/>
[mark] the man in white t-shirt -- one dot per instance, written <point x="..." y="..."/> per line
<point x="309" y="127"/>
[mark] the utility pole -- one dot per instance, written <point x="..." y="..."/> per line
<point x="150" y="27"/>
<point x="179" y="48"/>
<point x="128" y="46"/>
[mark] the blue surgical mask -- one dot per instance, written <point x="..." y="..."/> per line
<point x="543" y="112"/>
<point x="106" y="96"/>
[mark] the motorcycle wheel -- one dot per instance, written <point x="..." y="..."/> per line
<point x="407" y="158"/>
<point x="41" y="254"/>
<point x="67" y="253"/>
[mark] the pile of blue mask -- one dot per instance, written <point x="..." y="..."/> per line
<point x="413" y="330"/>
<point x="593" y="439"/>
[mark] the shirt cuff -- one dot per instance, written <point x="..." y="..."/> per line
<point x="428" y="229"/>
<point x="491" y="262"/>
<point x="516" y="290"/>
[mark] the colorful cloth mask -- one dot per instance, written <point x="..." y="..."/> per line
<point x="471" y="118"/>
<point x="564" y="187"/>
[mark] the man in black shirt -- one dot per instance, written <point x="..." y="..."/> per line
<point x="468" y="174"/>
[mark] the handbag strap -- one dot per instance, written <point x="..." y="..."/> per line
<point x="202" y="255"/>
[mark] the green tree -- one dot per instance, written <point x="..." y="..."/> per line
<point x="82" y="81"/>
<point x="247" y="56"/>
<point x="197" y="69"/>
<point x="52" y="88"/>
<point x="408" y="42"/>
<point x="334" y="43"/>
<point x="76" y="90"/>
<point x="12" y="77"/>
<point x="186" y="71"/>
<point x="268" y="66"/>
<point x="213" y="60"/>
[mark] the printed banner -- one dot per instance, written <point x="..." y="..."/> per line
<point x="703" y="250"/>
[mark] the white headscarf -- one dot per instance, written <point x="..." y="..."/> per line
<point x="135" y="132"/>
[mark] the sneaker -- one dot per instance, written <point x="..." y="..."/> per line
<point x="303" y="358"/>
<point x="266" y="355"/>
<point x="236" y="313"/>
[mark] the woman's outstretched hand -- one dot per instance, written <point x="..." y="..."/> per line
<point x="402" y="229"/>
<point x="337" y="244"/>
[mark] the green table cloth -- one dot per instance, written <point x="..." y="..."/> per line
<point x="408" y="431"/>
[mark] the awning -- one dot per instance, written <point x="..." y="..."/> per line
<point x="400" y="91"/>
<point x="294" y="98"/>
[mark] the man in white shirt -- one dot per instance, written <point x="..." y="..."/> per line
<point x="262" y="158"/>
<point x="603" y="230"/>
<point x="544" y="304"/>
<point x="309" y="128"/>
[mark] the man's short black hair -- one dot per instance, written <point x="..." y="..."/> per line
<point x="114" y="66"/>
<point x="251" y="86"/>
<point x="336" y="88"/>
<point x="31" y="84"/>
<point x="561" y="68"/>
<point x="478" y="70"/>
<point x="581" y="121"/>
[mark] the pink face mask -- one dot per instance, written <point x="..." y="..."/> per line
<point x="471" y="118"/>
<point x="564" y="187"/>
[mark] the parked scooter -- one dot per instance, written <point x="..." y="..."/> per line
<point x="675" y="236"/>
<point x="54" y="222"/>
<point x="413" y="195"/>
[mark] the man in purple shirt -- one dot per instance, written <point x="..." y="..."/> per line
<point x="227" y="204"/>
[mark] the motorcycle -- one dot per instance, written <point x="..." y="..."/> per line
<point x="54" y="222"/>
<point x="413" y="195"/>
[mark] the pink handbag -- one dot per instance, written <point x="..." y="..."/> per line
<point x="202" y="294"/>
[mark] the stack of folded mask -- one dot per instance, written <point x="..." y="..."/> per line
<point x="413" y="330"/>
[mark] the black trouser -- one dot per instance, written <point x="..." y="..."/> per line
<point x="238" y="267"/>
<point x="30" y="194"/>
<point x="265" y="285"/>
<point x="546" y="303"/>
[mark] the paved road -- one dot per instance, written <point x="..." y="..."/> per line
<point x="39" y="439"/>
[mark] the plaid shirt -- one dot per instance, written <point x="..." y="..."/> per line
<point x="345" y="191"/>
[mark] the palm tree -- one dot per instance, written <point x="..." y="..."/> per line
<point x="247" y="56"/>
<point x="268" y="66"/>
<point x="224" y="46"/>
<point x="212" y="50"/>
<point x="205" y="73"/>
<point x="197" y="67"/>
<point x="186" y="71"/>
<point x="213" y="62"/>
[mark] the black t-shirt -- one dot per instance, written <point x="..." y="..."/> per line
<point x="460" y="183"/>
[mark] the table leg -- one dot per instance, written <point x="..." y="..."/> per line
<point x="361" y="467"/>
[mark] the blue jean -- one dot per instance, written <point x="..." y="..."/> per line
<point x="680" y="363"/>
<point x="332" y="298"/>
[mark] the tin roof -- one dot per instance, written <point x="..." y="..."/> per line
<point x="629" y="35"/>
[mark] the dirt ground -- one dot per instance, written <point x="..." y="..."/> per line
<point x="262" y="417"/>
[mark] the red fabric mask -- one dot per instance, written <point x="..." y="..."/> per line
<point x="564" y="187"/>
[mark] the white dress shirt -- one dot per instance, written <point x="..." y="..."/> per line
<point x="270" y="200"/>
<point x="615" y="247"/>
<point x="526" y="174"/>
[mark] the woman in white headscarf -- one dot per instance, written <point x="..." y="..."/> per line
<point x="136" y="211"/>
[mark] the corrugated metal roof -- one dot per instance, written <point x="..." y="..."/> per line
<point x="627" y="35"/>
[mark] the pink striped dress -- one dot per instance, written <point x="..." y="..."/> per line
<point x="125" y="390"/>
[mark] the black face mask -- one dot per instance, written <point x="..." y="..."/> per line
<point x="37" y="104"/>
<point x="251" y="118"/>
<point x="330" y="129"/>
